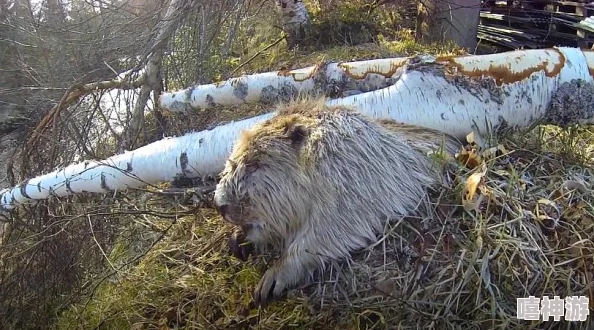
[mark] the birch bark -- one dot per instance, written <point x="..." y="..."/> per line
<point x="457" y="95"/>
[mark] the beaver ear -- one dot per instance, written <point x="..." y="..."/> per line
<point x="297" y="134"/>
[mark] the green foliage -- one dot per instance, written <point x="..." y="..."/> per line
<point x="350" y="30"/>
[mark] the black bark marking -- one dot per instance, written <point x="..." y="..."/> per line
<point x="240" y="88"/>
<point x="39" y="186"/>
<point x="571" y="103"/>
<point x="183" y="161"/>
<point x="104" y="182"/>
<point x="210" y="101"/>
<point x="68" y="186"/>
<point x="129" y="166"/>
<point x="188" y="93"/>
<point x="23" y="189"/>
<point x="288" y="92"/>
<point x="329" y="87"/>
<point x="285" y="93"/>
<point x="180" y="106"/>
<point x="268" y="95"/>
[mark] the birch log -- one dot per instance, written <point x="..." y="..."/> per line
<point x="272" y="87"/>
<point x="456" y="95"/>
<point x="488" y="94"/>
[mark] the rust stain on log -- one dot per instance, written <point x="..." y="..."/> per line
<point x="394" y="66"/>
<point x="298" y="76"/>
<point x="221" y="83"/>
<point x="502" y="73"/>
<point x="284" y="72"/>
<point x="589" y="54"/>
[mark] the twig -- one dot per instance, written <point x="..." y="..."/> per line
<point x="73" y="93"/>
<point x="258" y="53"/>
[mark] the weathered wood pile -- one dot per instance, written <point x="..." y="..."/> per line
<point x="514" y="24"/>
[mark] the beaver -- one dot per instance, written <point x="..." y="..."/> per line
<point x="318" y="182"/>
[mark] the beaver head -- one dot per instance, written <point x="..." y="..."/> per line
<point x="261" y="184"/>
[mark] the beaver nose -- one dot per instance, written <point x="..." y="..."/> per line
<point x="222" y="209"/>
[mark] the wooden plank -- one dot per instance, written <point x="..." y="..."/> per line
<point x="537" y="22"/>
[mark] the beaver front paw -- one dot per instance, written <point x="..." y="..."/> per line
<point x="272" y="287"/>
<point x="239" y="247"/>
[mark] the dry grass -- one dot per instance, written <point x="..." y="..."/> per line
<point x="453" y="269"/>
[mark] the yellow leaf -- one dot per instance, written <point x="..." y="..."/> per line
<point x="470" y="138"/>
<point x="471" y="185"/>
<point x="469" y="158"/>
<point x="470" y="188"/>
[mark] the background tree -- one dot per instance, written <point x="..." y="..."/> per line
<point x="449" y="21"/>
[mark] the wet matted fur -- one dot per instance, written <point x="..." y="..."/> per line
<point x="318" y="182"/>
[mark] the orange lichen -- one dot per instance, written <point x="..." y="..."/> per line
<point x="296" y="73"/>
<point x="394" y="66"/>
<point x="502" y="73"/>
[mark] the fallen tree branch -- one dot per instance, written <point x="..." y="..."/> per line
<point x="456" y="95"/>
<point x="332" y="79"/>
<point x="258" y="54"/>
<point x="71" y="95"/>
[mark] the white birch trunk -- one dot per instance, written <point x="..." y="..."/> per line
<point x="191" y="155"/>
<point x="295" y="21"/>
<point x="272" y="87"/>
<point x="454" y="95"/>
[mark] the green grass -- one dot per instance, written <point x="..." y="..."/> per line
<point x="453" y="269"/>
